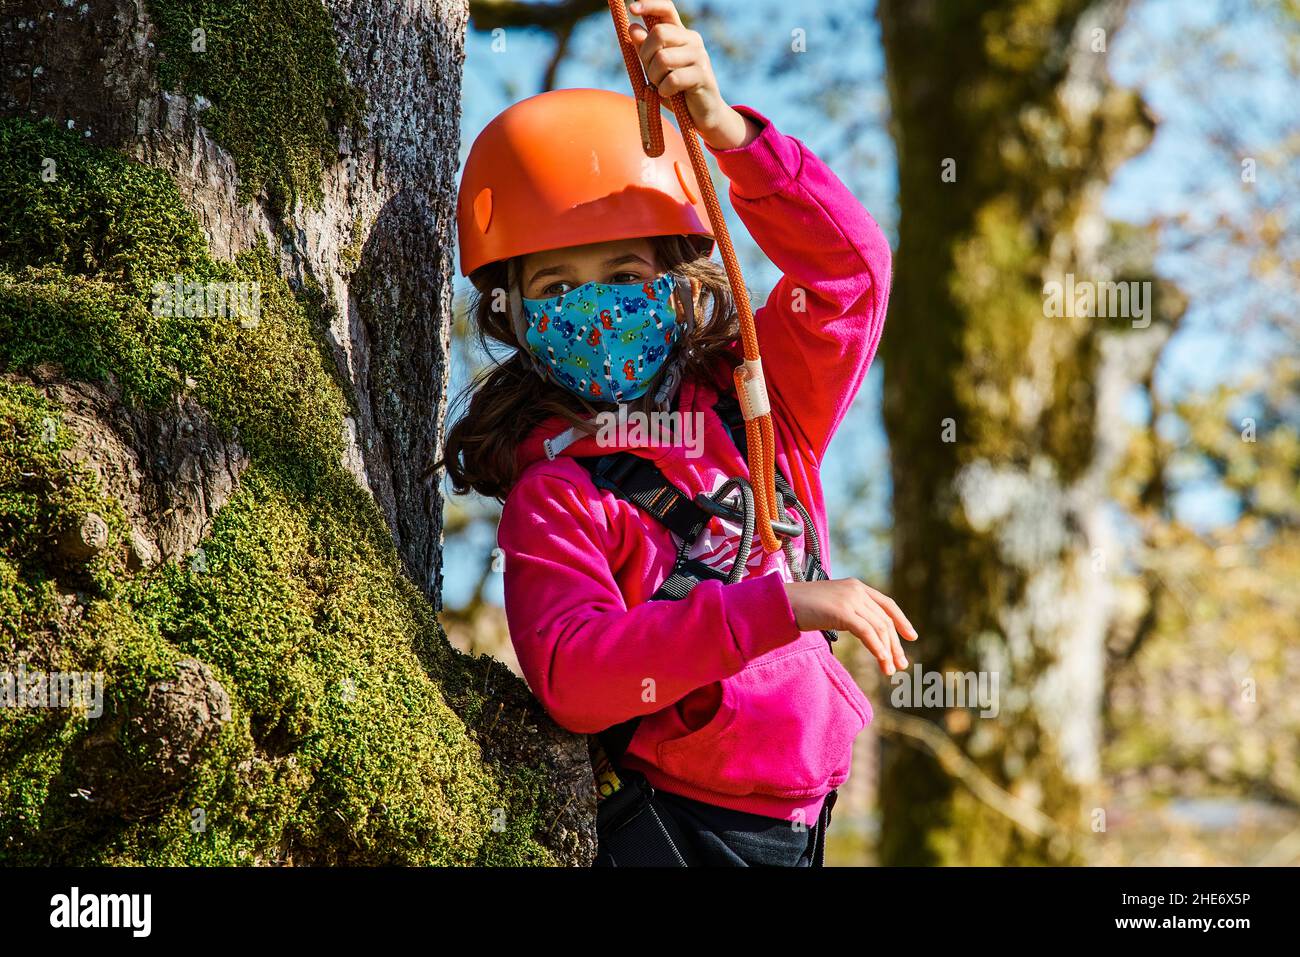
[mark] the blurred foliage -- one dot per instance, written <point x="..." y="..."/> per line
<point x="1198" y="702"/>
<point x="1199" y="699"/>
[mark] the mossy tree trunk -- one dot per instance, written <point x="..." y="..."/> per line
<point x="351" y="107"/>
<point x="1008" y="128"/>
<point x="229" y="518"/>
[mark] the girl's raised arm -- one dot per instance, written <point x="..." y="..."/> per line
<point x="821" y="324"/>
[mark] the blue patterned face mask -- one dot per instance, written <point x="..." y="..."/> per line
<point x="605" y="341"/>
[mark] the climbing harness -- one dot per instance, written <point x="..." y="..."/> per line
<point x="632" y="827"/>
<point x="750" y="386"/>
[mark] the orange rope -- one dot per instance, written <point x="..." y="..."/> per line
<point x="762" y="443"/>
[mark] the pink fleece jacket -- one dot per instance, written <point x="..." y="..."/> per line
<point x="739" y="708"/>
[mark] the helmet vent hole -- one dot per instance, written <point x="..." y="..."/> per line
<point x="483" y="208"/>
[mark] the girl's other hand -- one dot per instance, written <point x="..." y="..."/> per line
<point x="846" y="604"/>
<point x="675" y="62"/>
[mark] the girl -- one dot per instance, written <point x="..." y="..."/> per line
<point x="592" y="267"/>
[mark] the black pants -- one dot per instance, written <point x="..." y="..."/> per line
<point x="722" y="837"/>
<point x="643" y="826"/>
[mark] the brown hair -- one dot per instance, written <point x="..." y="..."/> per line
<point x="507" y="399"/>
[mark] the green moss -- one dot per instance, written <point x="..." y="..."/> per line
<point x="278" y="94"/>
<point x="343" y="745"/>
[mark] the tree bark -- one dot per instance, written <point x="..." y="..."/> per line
<point x="379" y="245"/>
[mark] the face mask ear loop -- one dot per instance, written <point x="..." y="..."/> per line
<point x="687" y="298"/>
<point x="677" y="365"/>
<point x="519" y="320"/>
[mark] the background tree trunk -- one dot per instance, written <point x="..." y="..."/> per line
<point x="997" y="414"/>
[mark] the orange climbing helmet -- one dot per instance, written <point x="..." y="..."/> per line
<point x="565" y="168"/>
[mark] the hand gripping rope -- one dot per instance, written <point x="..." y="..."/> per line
<point x="751" y="390"/>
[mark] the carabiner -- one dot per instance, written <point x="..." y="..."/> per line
<point x="729" y="511"/>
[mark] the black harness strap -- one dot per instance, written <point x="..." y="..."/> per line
<point x="640" y="482"/>
<point x="686" y="574"/>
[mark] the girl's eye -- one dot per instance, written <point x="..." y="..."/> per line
<point x="554" y="289"/>
<point x="624" y="277"/>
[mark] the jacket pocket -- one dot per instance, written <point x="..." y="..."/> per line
<point x="785" y="727"/>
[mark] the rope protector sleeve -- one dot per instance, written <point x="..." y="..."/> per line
<point x="751" y="389"/>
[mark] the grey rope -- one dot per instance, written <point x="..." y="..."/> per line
<point x="747" y="526"/>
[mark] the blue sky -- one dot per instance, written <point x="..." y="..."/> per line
<point x="751" y="51"/>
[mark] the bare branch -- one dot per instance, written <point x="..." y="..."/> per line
<point x="491" y="14"/>
<point x="955" y="762"/>
<point x="561" y="47"/>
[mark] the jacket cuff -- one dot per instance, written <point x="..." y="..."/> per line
<point x="763" y="167"/>
<point x="759" y="615"/>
